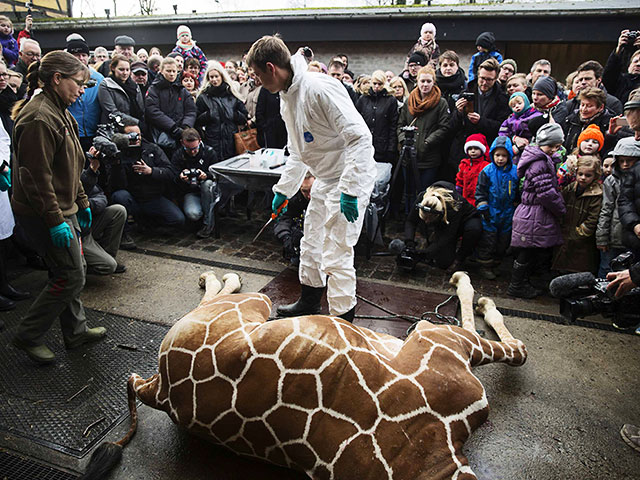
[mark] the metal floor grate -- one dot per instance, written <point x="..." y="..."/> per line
<point x="53" y="405"/>
<point x="13" y="467"/>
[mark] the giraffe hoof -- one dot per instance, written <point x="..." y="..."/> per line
<point x="202" y="281"/>
<point x="484" y="305"/>
<point x="233" y="281"/>
<point x="457" y="277"/>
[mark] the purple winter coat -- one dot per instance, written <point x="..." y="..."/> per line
<point x="536" y="221"/>
<point x="518" y="125"/>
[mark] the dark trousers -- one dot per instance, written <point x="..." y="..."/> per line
<point x="470" y="231"/>
<point x="61" y="296"/>
<point x="160" y="209"/>
<point x="493" y="245"/>
<point x="414" y="186"/>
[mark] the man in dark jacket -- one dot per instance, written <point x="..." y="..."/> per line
<point x="289" y="227"/>
<point x="123" y="45"/>
<point x="614" y="77"/>
<point x="417" y="60"/>
<point x="272" y="132"/>
<point x="29" y="52"/>
<point x="140" y="180"/>
<point x="336" y="70"/>
<point x="590" y="75"/>
<point x="169" y="108"/>
<point x="195" y="181"/>
<point x="484" y="114"/>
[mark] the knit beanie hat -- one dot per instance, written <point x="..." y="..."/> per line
<point x="626" y="147"/>
<point x="182" y="29"/>
<point x="477" y="140"/>
<point x="525" y="99"/>
<point x="592" y="132"/>
<point x="76" y="44"/>
<point x="549" y="134"/>
<point x="546" y="86"/>
<point x="486" y="40"/>
<point x="428" y="27"/>
<point x="511" y="62"/>
<point x="419" y="58"/>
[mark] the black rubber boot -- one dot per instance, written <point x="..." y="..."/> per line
<point x="349" y="316"/>
<point x="519" y="286"/>
<point x="6" y="304"/>
<point x="307" y="304"/>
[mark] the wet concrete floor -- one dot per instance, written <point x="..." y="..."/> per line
<point x="556" y="417"/>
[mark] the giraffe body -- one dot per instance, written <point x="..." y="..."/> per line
<point x="321" y="395"/>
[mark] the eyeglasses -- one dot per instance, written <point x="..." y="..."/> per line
<point x="4" y="75"/>
<point x="32" y="54"/>
<point x="82" y="83"/>
<point x="486" y="80"/>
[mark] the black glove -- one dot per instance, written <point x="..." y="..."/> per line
<point x="288" y="250"/>
<point x="176" y="132"/>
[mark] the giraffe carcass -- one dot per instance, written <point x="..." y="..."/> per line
<point x="323" y="396"/>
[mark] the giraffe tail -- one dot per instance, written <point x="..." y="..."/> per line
<point x="107" y="455"/>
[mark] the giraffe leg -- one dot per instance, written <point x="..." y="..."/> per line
<point x="494" y="319"/>
<point x="211" y="285"/>
<point x="464" y="290"/>
<point x="232" y="283"/>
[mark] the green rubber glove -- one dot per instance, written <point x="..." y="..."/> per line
<point x="84" y="218"/>
<point x="61" y="235"/>
<point x="5" y="180"/>
<point x="278" y="200"/>
<point x="349" y="207"/>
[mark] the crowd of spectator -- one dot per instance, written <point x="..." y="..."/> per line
<point x="534" y="163"/>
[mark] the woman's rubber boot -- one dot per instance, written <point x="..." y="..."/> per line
<point x="307" y="304"/>
<point x="519" y="286"/>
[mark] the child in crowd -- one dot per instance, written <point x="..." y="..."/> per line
<point x="583" y="199"/>
<point x="485" y="43"/>
<point x="536" y="221"/>
<point x="9" y="44"/>
<point x="190" y="83"/>
<point x="607" y="167"/>
<point x="496" y="198"/>
<point x="590" y="142"/>
<point x="476" y="148"/>
<point x="609" y="231"/>
<point x="518" y="83"/>
<point x="516" y="127"/>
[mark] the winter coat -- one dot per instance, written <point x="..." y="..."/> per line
<point x="629" y="205"/>
<point x="380" y="113"/>
<point x="573" y="126"/>
<point x="48" y="161"/>
<point x="9" y="49"/>
<point x="467" y="177"/>
<point x="194" y="52"/>
<point x="113" y="99"/>
<point x="432" y="130"/>
<point x="144" y="188"/>
<point x="496" y="110"/>
<point x="8" y="98"/>
<point x="536" y="221"/>
<point x="451" y="87"/>
<point x="617" y="80"/>
<point x="219" y="117"/>
<point x="272" y="132"/>
<point x="478" y="58"/>
<point x="518" y="126"/>
<point x="497" y="190"/>
<point x="609" y="231"/>
<point x="86" y="109"/>
<point x="578" y="253"/>
<point x="409" y="81"/>
<point x="169" y="105"/>
<point x="440" y="235"/>
<point x="559" y="112"/>
<point x="181" y="160"/>
<point x="431" y="54"/>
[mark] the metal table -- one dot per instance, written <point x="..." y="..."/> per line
<point x="255" y="171"/>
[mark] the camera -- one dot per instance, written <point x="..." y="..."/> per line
<point x="29" y="6"/>
<point x="192" y="176"/>
<point x="307" y="52"/>
<point x="408" y="259"/>
<point x="632" y="36"/>
<point x="582" y="295"/>
<point x="468" y="96"/>
<point x="409" y="135"/>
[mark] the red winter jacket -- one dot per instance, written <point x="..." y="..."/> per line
<point x="467" y="177"/>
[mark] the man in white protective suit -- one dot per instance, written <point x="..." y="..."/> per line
<point x="329" y="138"/>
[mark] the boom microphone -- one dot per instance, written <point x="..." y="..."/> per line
<point x="396" y="246"/>
<point x="566" y="285"/>
<point x="105" y="147"/>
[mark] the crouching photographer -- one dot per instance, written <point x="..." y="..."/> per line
<point x="443" y="216"/>
<point x="140" y="177"/>
<point x="201" y="193"/>
<point x="581" y="294"/>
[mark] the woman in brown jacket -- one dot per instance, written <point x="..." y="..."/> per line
<point x="49" y="202"/>
<point x="426" y="110"/>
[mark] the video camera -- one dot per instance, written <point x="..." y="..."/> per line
<point x="407" y="257"/>
<point x="581" y="295"/>
<point x="108" y="142"/>
<point x="192" y="176"/>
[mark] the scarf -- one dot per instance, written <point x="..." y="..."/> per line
<point x="186" y="46"/>
<point x="131" y="89"/>
<point x="418" y="105"/>
<point x="219" y="91"/>
<point x="550" y="105"/>
<point x="453" y="84"/>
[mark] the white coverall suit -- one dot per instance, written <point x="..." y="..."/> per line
<point x="329" y="138"/>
